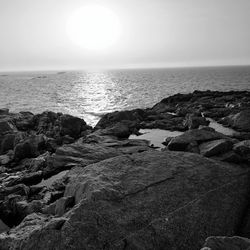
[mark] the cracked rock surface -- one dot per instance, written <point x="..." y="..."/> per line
<point x="148" y="200"/>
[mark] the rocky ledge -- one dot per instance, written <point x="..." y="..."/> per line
<point x="66" y="185"/>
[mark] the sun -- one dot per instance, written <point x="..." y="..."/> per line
<point x="94" y="27"/>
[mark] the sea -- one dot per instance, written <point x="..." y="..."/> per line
<point x="91" y="94"/>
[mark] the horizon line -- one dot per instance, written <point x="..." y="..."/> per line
<point x="123" y="68"/>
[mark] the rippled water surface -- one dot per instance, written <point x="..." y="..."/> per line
<point x="91" y="94"/>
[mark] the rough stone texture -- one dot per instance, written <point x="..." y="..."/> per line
<point x="6" y="127"/>
<point x="110" y="119"/>
<point x="79" y="153"/>
<point x="181" y="142"/>
<point x="29" y="148"/>
<point x="63" y="204"/>
<point x="243" y="149"/>
<point x="95" y="148"/>
<point x="226" y="243"/>
<point x="240" y="121"/>
<point x="72" y="126"/>
<point x="120" y="130"/>
<point x="152" y="200"/>
<point x="215" y="147"/>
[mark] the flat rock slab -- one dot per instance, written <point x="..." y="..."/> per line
<point x="150" y="200"/>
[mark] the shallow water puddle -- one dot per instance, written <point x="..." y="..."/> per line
<point x="48" y="182"/>
<point x="220" y="128"/>
<point x="156" y="136"/>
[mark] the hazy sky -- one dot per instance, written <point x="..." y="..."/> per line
<point x="154" y="33"/>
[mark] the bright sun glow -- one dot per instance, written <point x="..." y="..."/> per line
<point x="94" y="27"/>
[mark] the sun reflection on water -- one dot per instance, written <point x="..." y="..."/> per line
<point x="98" y="93"/>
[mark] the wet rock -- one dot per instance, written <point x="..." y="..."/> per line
<point x="142" y="202"/>
<point x="215" y="147"/>
<point x="226" y="243"/>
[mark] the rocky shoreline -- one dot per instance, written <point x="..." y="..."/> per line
<point x="66" y="185"/>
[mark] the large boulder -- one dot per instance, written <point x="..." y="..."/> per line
<point x="151" y="200"/>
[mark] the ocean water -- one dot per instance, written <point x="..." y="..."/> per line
<point x="91" y="94"/>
